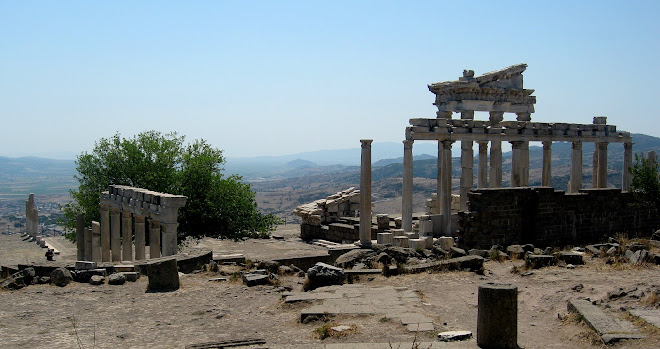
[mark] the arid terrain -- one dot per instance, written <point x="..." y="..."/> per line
<point x="106" y="316"/>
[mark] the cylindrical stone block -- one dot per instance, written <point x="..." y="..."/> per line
<point x="385" y="238"/>
<point x="365" y="193"/>
<point x="139" y="238"/>
<point x="383" y="221"/>
<point x="115" y="234"/>
<point x="407" y="190"/>
<point x="497" y="316"/>
<point x="397" y="232"/>
<point x="80" y="237"/>
<point x="400" y="241"/>
<point x="105" y="233"/>
<point x="126" y="236"/>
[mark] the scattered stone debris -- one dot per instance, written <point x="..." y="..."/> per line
<point x="19" y="279"/>
<point x="96" y="280"/>
<point x="257" y="277"/>
<point x="117" y="279"/>
<point x="609" y="329"/>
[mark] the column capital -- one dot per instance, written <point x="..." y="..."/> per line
<point x="447" y="143"/>
<point x="407" y="144"/>
<point x="627" y="145"/>
<point x="524" y="116"/>
<point x="496" y="117"/>
<point x="576" y="145"/>
<point x="105" y="207"/>
<point x="483" y="142"/>
<point x="366" y="142"/>
<point x="114" y="210"/>
<point x="467" y="114"/>
<point x="516" y="144"/>
<point x="547" y="144"/>
<point x="138" y="218"/>
<point x="126" y="214"/>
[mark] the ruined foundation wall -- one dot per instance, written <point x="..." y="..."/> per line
<point x="545" y="217"/>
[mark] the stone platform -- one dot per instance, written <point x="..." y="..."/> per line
<point x="608" y="328"/>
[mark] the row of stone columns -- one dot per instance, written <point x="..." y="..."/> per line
<point x="112" y="239"/>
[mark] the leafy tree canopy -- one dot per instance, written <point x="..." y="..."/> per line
<point x="217" y="206"/>
<point x="645" y="182"/>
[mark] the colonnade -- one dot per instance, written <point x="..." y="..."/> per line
<point x="126" y="215"/>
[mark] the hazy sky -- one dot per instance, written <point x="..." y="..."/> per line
<point x="268" y="78"/>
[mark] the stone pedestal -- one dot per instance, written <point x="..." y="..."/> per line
<point x="425" y="225"/>
<point x="126" y="236"/>
<point x="365" y="193"/>
<point x="416" y="244"/>
<point x="446" y="242"/>
<point x="139" y="238"/>
<point x="115" y="234"/>
<point x="407" y="190"/>
<point x="96" y="242"/>
<point x="482" y="174"/>
<point x="105" y="233"/>
<point x="80" y="237"/>
<point x="397" y="232"/>
<point x="385" y="238"/>
<point x="467" y="176"/>
<point x="576" y="168"/>
<point x="400" y="241"/>
<point x="546" y="174"/>
<point x="602" y="164"/>
<point x="497" y="316"/>
<point x="154" y="239"/>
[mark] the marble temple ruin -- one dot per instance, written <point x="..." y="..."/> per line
<point x="126" y="210"/>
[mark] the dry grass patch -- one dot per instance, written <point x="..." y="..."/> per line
<point x="329" y="330"/>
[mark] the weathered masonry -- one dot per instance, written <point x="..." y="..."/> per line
<point x="497" y="93"/>
<point x="126" y="209"/>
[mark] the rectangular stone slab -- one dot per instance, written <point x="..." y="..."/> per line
<point x="607" y="328"/>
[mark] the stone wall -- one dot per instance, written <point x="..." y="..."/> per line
<point x="545" y="217"/>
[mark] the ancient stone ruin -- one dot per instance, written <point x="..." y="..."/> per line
<point x="31" y="217"/>
<point x="123" y="210"/>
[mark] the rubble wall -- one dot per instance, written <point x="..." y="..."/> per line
<point x="545" y="217"/>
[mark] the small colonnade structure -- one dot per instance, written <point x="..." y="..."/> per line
<point x="497" y="92"/>
<point x="125" y="209"/>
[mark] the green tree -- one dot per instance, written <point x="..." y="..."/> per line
<point x="645" y="182"/>
<point x="217" y="206"/>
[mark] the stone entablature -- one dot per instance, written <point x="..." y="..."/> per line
<point x="497" y="91"/>
<point x="479" y="130"/>
<point x="150" y="204"/>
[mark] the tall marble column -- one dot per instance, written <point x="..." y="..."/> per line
<point x="594" y="173"/>
<point x="602" y="164"/>
<point x="495" y="178"/>
<point x="576" y="167"/>
<point x="444" y="195"/>
<point x="524" y="162"/>
<point x="154" y="238"/>
<point x="80" y="237"/>
<point x="467" y="173"/>
<point x="437" y="209"/>
<point x="105" y="233"/>
<point x="627" y="164"/>
<point x="115" y="234"/>
<point x="407" y="190"/>
<point x="139" y="237"/>
<point x="482" y="174"/>
<point x="546" y="175"/>
<point x="126" y="236"/>
<point x="96" y="242"/>
<point x="516" y="163"/>
<point x="365" y="193"/>
<point x="169" y="238"/>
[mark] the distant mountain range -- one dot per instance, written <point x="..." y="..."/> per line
<point x="20" y="176"/>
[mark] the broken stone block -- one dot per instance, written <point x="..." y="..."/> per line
<point x="252" y="279"/>
<point x="515" y="251"/>
<point x="323" y="274"/>
<point x="477" y="252"/>
<point x="163" y="275"/>
<point x="132" y="276"/>
<point x="638" y="257"/>
<point x="457" y="252"/>
<point x="85" y="265"/>
<point x="117" y="279"/>
<point x="384" y="238"/>
<point x="574" y="258"/>
<point x="536" y="261"/>
<point x="452" y="336"/>
<point x="120" y="268"/>
<point x="96" y="280"/>
<point x="400" y="241"/>
<point x="61" y="277"/>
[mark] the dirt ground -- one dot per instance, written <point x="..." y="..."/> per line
<point x="44" y="316"/>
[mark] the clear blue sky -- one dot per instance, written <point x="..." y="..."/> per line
<point x="269" y="78"/>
